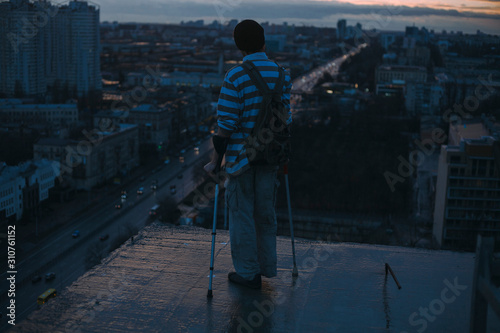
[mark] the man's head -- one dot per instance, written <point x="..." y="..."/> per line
<point x="249" y="36"/>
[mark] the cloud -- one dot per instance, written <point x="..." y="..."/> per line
<point x="277" y="10"/>
<point x="318" y="13"/>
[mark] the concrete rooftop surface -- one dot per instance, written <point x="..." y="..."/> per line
<point x="158" y="282"/>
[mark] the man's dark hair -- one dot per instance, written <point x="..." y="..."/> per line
<point x="249" y="36"/>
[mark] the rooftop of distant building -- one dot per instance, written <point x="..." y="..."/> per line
<point x="467" y="131"/>
<point x="402" y="68"/>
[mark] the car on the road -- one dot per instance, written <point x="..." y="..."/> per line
<point x="173" y="189"/>
<point x="118" y="205"/>
<point x="183" y="151"/>
<point x="167" y="161"/>
<point x="181" y="159"/>
<point x="104" y="237"/>
<point x="75" y="233"/>
<point x="140" y="190"/>
<point x="124" y="194"/>
<point x="50" y="276"/>
<point x="153" y="212"/>
<point x="196" y="150"/>
<point x="36" y="278"/>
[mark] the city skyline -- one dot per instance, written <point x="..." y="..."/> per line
<point x="106" y="127"/>
<point x="451" y="15"/>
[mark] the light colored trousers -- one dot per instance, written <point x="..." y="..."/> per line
<point x="251" y="199"/>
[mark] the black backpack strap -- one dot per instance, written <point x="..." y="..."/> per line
<point x="262" y="86"/>
<point x="259" y="81"/>
<point x="278" y="88"/>
<point x="256" y="77"/>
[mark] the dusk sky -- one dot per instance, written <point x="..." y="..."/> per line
<point x="452" y="15"/>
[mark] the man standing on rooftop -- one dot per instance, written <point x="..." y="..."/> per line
<point x="251" y="187"/>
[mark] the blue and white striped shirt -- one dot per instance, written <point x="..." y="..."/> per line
<point x="239" y="104"/>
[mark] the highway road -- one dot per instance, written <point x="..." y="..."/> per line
<point x="65" y="256"/>
<point x="307" y="82"/>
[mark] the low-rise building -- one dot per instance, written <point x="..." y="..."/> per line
<point x="416" y="56"/>
<point x="275" y="42"/>
<point x="98" y="157"/>
<point x="11" y="191"/>
<point x="392" y="80"/>
<point x="24" y="186"/>
<point x="388" y="39"/>
<point x="14" y="111"/>
<point x="391" y="73"/>
<point x="423" y="98"/>
<point x="191" y="79"/>
<point x="154" y="123"/>
<point x="467" y="85"/>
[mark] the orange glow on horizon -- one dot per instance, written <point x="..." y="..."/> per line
<point x="473" y="6"/>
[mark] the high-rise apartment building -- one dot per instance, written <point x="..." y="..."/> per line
<point x="22" y="47"/>
<point x="41" y="43"/>
<point x="341" y="29"/>
<point x="468" y="186"/>
<point x="80" y="65"/>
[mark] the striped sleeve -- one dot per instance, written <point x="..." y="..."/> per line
<point x="229" y="107"/>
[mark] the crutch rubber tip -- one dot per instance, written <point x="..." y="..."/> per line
<point x="209" y="294"/>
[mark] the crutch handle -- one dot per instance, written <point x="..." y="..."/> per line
<point x="218" y="165"/>
<point x="285" y="169"/>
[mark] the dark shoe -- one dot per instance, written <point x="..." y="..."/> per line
<point x="256" y="283"/>
<point x="269" y="275"/>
